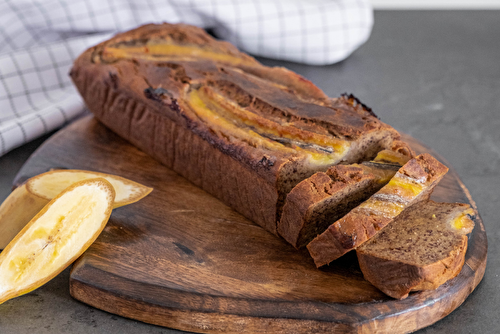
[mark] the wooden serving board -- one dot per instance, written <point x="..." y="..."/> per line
<point x="180" y="258"/>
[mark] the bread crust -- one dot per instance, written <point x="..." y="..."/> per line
<point x="175" y="141"/>
<point x="144" y="101"/>
<point x="397" y="279"/>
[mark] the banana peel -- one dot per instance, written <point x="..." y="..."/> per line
<point x="28" y="199"/>
<point x="16" y="211"/>
<point x="50" y="184"/>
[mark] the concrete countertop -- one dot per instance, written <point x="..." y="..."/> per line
<point x="432" y="74"/>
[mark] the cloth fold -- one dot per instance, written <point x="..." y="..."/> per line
<point x="40" y="39"/>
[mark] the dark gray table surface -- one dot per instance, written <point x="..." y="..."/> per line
<point x="432" y="74"/>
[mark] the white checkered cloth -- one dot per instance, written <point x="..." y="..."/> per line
<point x="39" y="39"/>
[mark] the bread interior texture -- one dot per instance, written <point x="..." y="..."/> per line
<point x="426" y="233"/>
<point x="422" y="249"/>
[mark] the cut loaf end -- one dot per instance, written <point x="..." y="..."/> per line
<point x="422" y="249"/>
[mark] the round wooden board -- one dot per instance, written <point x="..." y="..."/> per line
<point x="180" y="258"/>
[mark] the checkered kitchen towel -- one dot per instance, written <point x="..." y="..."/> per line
<point x="39" y="39"/>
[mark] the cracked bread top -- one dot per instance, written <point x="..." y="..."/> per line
<point x="264" y="117"/>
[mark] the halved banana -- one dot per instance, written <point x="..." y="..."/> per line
<point x="16" y="211"/>
<point x="50" y="184"/>
<point x="55" y="237"/>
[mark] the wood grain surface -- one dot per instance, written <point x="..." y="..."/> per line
<point x="180" y="258"/>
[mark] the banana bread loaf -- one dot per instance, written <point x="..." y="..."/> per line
<point x="243" y="132"/>
<point x="423" y="248"/>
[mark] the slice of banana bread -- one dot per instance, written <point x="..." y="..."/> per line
<point x="423" y="248"/>
<point x="244" y="132"/>
<point x="412" y="183"/>
<point x="325" y="197"/>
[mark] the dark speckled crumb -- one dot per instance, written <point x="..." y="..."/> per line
<point x="421" y="235"/>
